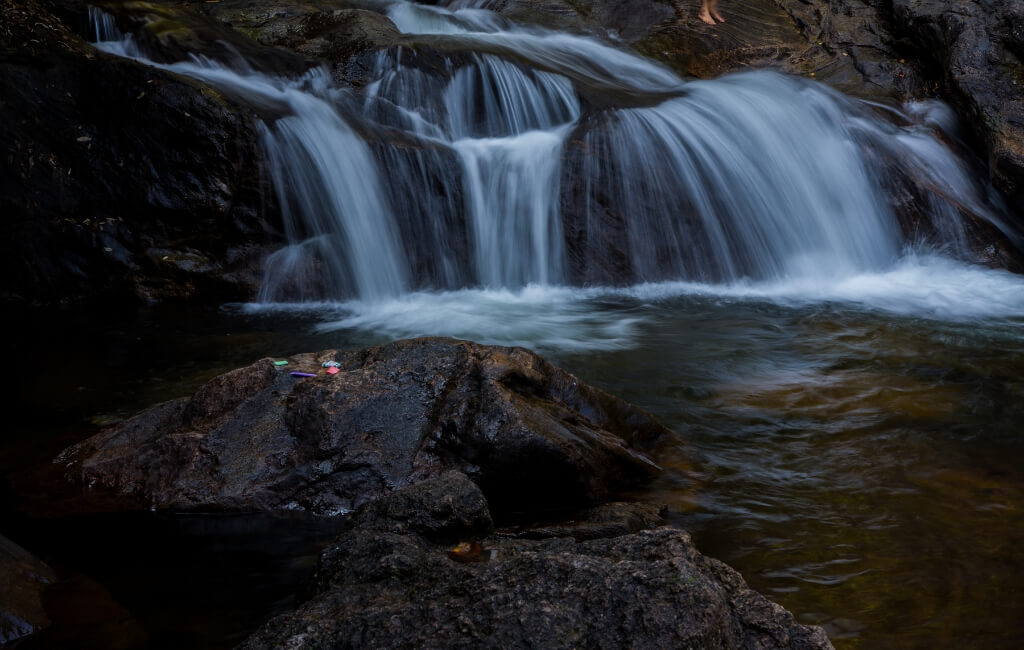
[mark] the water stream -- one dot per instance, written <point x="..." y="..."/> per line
<point x="728" y="254"/>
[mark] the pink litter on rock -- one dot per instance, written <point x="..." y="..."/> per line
<point x="333" y="370"/>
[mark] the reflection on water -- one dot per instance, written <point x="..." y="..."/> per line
<point x="860" y="465"/>
<point x="863" y="470"/>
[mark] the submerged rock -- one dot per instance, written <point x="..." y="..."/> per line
<point x="258" y="438"/>
<point x="393" y="580"/>
<point x="23" y="577"/>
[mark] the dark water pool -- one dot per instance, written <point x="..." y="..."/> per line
<point x="862" y="469"/>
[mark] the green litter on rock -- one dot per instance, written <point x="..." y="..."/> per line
<point x="280" y="363"/>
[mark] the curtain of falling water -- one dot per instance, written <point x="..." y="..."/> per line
<point x="500" y="170"/>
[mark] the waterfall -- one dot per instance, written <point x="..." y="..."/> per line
<point x="754" y="175"/>
<point x="542" y="158"/>
<point x="335" y="211"/>
<point x="103" y="27"/>
<point x="508" y="130"/>
<point x="507" y="126"/>
<point x="342" y="233"/>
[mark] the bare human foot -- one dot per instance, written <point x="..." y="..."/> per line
<point x="717" y="16"/>
<point x="705" y="15"/>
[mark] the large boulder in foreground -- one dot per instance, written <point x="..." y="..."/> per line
<point x="394" y="579"/>
<point x="260" y="438"/>
<point x="23" y="577"/>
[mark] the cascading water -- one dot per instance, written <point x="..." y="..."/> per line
<point x="780" y="273"/>
<point x="754" y="175"/>
<point x="103" y="28"/>
<point x="504" y="174"/>
<point x="334" y="207"/>
<point x="336" y="216"/>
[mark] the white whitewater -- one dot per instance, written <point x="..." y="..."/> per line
<point x="561" y="319"/>
<point x="504" y="189"/>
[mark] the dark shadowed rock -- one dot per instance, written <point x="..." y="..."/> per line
<point x="394" y="585"/>
<point x="968" y="52"/>
<point x="175" y="31"/>
<point x="444" y="509"/>
<point x="330" y="31"/>
<point x="605" y="520"/>
<point x="977" y="50"/>
<point x="120" y="179"/>
<point x="790" y="35"/>
<point x="343" y="35"/>
<point x="23" y="577"/>
<point x="259" y="438"/>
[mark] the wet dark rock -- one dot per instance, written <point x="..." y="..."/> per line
<point x="23" y="577"/>
<point x="258" y="438"/>
<point x="605" y="520"/>
<point x="121" y="180"/>
<point x="756" y="33"/>
<point x="968" y="53"/>
<point x="385" y="583"/>
<point x="444" y="509"/>
<point x="976" y="49"/>
<point x="175" y="31"/>
<point x="343" y="35"/>
<point x="326" y="31"/>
